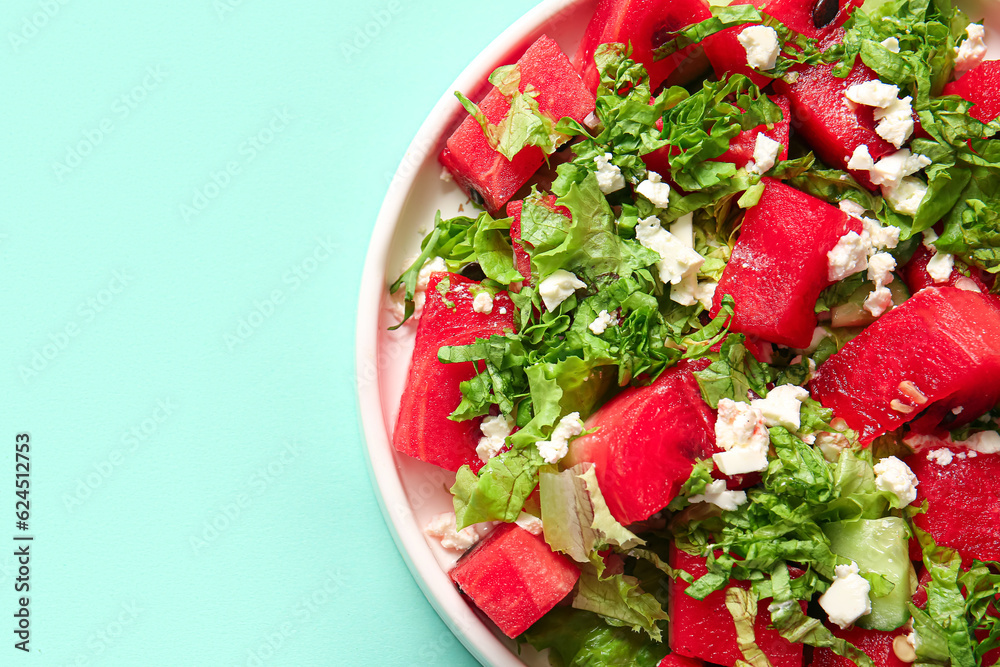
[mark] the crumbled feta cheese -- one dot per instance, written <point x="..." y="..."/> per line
<point x="741" y="431"/>
<point x="880" y="268"/>
<point x="831" y="444"/>
<point x="445" y="175"/>
<point x="781" y="406"/>
<point x="861" y="159"/>
<point x="689" y="291"/>
<point x="906" y="198"/>
<point x="852" y="208"/>
<point x="891" y="44"/>
<point x="655" y="190"/>
<point x="872" y="93"/>
<point x="483" y="303"/>
<point x="895" y="121"/>
<point x="601" y="323"/>
<point x="848" y="257"/>
<point x="967" y="284"/>
<point x="762" y="46"/>
<point x="676" y="258"/>
<point x="557" y="446"/>
<point x="443" y="526"/>
<point x="683" y="229"/>
<point x="878" y="301"/>
<point x="716" y="494"/>
<point x="890" y="170"/>
<point x="940" y="266"/>
<point x="894" y="476"/>
<point x="558" y="287"/>
<point x="847" y="598"/>
<point x="765" y="154"/>
<point x="503" y="310"/>
<point x="983" y="442"/>
<point x="495" y="429"/>
<point x="972" y="51"/>
<point x="423" y="277"/>
<point x="609" y="176"/>
<point x="880" y="237"/>
<point x="930" y="236"/>
<point x="529" y="522"/>
<point x="942" y="456"/>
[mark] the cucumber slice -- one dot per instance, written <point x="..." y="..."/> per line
<point x="879" y="546"/>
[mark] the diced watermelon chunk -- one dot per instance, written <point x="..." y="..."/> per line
<point x="705" y="629"/>
<point x="486" y="175"/>
<point x="432" y="391"/>
<point x="678" y="660"/>
<point x="647" y="442"/>
<point x="741" y="147"/>
<point x="644" y="24"/>
<point x="728" y="56"/>
<point x="821" y="115"/>
<point x="980" y="85"/>
<point x="779" y="267"/>
<point x="514" y="577"/>
<point x="914" y="274"/>
<point x="963" y="502"/>
<point x="876" y="644"/>
<point x="943" y="341"/>
<point x="522" y="262"/>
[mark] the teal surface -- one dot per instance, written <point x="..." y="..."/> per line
<point x="186" y="195"/>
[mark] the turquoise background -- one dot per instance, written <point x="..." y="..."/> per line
<point x="187" y="190"/>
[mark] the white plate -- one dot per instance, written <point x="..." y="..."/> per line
<point x="411" y="492"/>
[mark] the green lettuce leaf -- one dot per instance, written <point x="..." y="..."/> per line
<point x="577" y="638"/>
<point x="620" y="601"/>
<point x="499" y="491"/>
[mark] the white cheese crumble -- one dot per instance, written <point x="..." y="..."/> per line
<point x="781" y="406"/>
<point x="906" y="199"/>
<point x="716" y="494"/>
<point x="765" y="154"/>
<point x="676" y="258"/>
<point x="655" y="190"/>
<point x="880" y="268"/>
<point x="443" y="527"/>
<point x="881" y="237"/>
<point x="972" y="51"/>
<point x="529" y="522"/>
<point x="895" y="121"/>
<point x="891" y="44"/>
<point x="601" y="323"/>
<point x="878" y="301"/>
<point x="446" y="175"/>
<point x="940" y="266"/>
<point x="741" y="431"/>
<point x="852" y="208"/>
<point x="423" y="277"/>
<point x="861" y="159"/>
<point x="689" y="291"/>
<point x="609" y="176"/>
<point x="558" y="287"/>
<point x="495" y="429"/>
<point x="483" y="303"/>
<point x="984" y="442"/>
<point x="894" y="476"/>
<point x="942" y="456"/>
<point x="872" y="93"/>
<point x="847" y="598"/>
<point x="762" y="46"/>
<point x="557" y="446"/>
<point x="890" y="170"/>
<point x="848" y="257"/>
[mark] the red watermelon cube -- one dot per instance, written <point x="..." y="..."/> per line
<point x="514" y="577"/>
<point x="645" y="25"/>
<point x="647" y="441"/>
<point x="432" y="391"/>
<point x="705" y="629"/>
<point x="963" y="502"/>
<point x="728" y="56"/>
<point x="876" y="644"/>
<point x="678" y="660"/>
<point x="486" y="175"/>
<point x="779" y="266"/>
<point x="980" y="85"/>
<point x="822" y="116"/>
<point x="916" y="277"/>
<point x="938" y="351"/>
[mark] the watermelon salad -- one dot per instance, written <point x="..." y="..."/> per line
<point x="714" y="355"/>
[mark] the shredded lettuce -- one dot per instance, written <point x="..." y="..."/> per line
<point x="577" y="638"/>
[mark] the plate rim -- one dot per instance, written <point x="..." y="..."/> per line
<point x="387" y="484"/>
